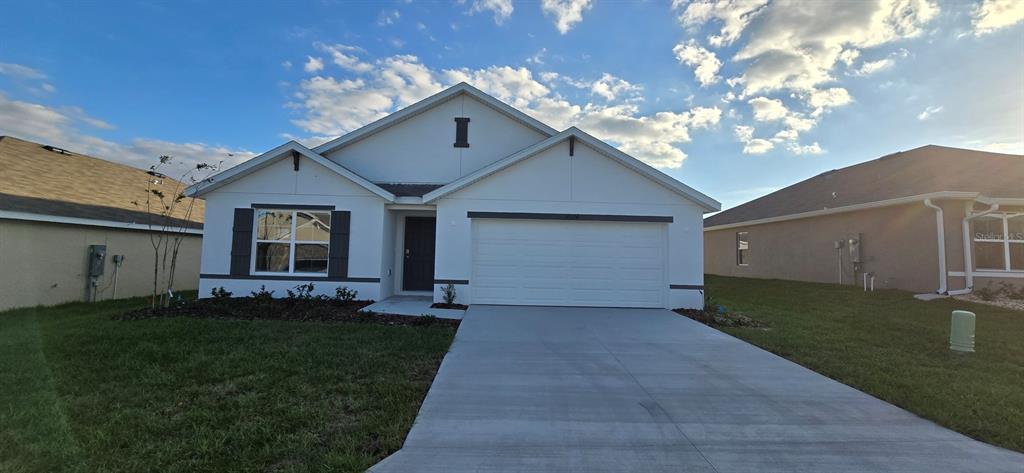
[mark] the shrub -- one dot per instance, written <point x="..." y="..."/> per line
<point x="1011" y="291"/>
<point x="712" y="306"/>
<point x="344" y="294"/>
<point x="449" y="294"/>
<point x="425" y="319"/>
<point x="302" y="292"/>
<point x="220" y="293"/>
<point x="986" y="293"/>
<point x="263" y="295"/>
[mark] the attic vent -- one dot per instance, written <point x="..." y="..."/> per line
<point x="57" y="150"/>
<point x="462" y="132"/>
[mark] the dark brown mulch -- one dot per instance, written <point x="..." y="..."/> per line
<point x="442" y="305"/>
<point x="303" y="310"/>
<point x="720" y="319"/>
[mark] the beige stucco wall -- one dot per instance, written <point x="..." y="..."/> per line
<point x="897" y="243"/>
<point x="45" y="263"/>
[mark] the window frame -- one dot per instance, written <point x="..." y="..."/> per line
<point x="740" y="260"/>
<point x="1005" y="240"/>
<point x="292" y="242"/>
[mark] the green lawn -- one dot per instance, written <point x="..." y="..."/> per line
<point x="80" y="392"/>
<point x="889" y="345"/>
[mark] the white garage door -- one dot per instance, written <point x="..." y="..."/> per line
<point x="569" y="263"/>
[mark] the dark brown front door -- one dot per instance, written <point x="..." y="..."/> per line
<point x="418" y="271"/>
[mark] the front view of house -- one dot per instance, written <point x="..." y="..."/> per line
<point x="459" y="189"/>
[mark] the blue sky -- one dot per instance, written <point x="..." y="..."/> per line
<point x="735" y="98"/>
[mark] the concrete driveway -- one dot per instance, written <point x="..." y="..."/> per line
<point x="540" y="389"/>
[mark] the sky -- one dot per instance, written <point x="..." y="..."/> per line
<point x="736" y="98"/>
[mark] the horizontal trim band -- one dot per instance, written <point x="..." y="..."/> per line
<point x="584" y="217"/>
<point x="88" y="222"/>
<point x="452" y="281"/>
<point x="696" y="287"/>
<point x="285" y="278"/>
<point x="989" y="274"/>
<point x="293" y="206"/>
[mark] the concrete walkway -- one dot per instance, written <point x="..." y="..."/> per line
<point x="534" y="389"/>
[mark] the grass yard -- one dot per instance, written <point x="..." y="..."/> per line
<point x="80" y="392"/>
<point x="893" y="347"/>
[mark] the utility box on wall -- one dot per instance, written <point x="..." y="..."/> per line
<point x="97" y="260"/>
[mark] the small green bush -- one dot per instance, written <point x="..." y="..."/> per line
<point x="263" y="295"/>
<point x="344" y="294"/>
<point x="220" y="293"/>
<point x="303" y="292"/>
<point x="449" y="293"/>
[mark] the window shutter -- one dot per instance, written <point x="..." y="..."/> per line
<point x="462" y="132"/>
<point x="241" y="242"/>
<point x="337" y="262"/>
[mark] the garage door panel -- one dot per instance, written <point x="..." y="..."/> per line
<point x="569" y="263"/>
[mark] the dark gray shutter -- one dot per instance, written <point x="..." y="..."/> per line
<point x="337" y="262"/>
<point x="241" y="242"/>
<point x="462" y="132"/>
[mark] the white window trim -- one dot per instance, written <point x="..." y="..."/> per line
<point x="738" y="259"/>
<point x="292" y="243"/>
<point x="1006" y="241"/>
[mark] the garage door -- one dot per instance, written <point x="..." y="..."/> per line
<point x="569" y="263"/>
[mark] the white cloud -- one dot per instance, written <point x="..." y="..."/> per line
<point x="813" y="148"/>
<point x="829" y="98"/>
<point x="388" y="17"/>
<point x="796" y="45"/>
<point x="751" y="145"/>
<point x="786" y="135"/>
<point x="766" y="109"/>
<point x="744" y="133"/>
<point x="61" y="127"/>
<point x="928" y="112"/>
<point x="758" y="146"/>
<point x="344" y="56"/>
<point x="992" y="15"/>
<point x="734" y="15"/>
<point x="870" y="67"/>
<point x="565" y="12"/>
<point x="537" y="59"/>
<point x="611" y="87"/>
<point x="286" y="64"/>
<point x="313" y="64"/>
<point x="502" y="9"/>
<point x="704" y="63"/>
<point x="332" y="106"/>
<point x="19" y="71"/>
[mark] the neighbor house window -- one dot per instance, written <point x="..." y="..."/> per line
<point x="292" y="241"/>
<point x="742" y="248"/>
<point x="999" y="242"/>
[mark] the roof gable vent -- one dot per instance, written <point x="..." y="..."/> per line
<point x="57" y="150"/>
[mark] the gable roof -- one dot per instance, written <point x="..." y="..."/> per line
<point x="926" y="170"/>
<point x="38" y="181"/>
<point x="259" y="162"/>
<point x="428" y="103"/>
<point x="626" y="160"/>
<point x="408" y="190"/>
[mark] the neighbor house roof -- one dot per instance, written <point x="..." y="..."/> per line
<point x="36" y="181"/>
<point x="707" y="203"/>
<point x="921" y="171"/>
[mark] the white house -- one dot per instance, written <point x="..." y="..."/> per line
<point x="510" y="212"/>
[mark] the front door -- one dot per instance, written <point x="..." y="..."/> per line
<point x="418" y="269"/>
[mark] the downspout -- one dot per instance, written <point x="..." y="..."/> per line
<point x="968" y="263"/>
<point x="940" y="235"/>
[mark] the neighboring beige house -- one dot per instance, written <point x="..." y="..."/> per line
<point x="903" y="219"/>
<point x="55" y="205"/>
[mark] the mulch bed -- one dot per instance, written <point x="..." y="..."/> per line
<point x="442" y="305"/>
<point x="721" y="319"/>
<point x="300" y="310"/>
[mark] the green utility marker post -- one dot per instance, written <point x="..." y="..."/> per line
<point x="961" y="331"/>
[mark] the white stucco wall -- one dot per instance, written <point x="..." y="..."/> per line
<point x="280" y="184"/>
<point x="420" y="149"/>
<point x="587" y="183"/>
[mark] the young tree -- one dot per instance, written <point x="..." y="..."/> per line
<point x="169" y="212"/>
